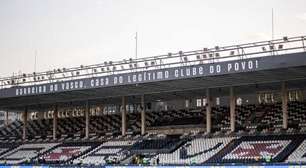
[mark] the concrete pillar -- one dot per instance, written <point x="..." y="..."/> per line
<point x="232" y="109"/>
<point x="25" y="122"/>
<point x="55" y="117"/>
<point x="7" y="118"/>
<point x="123" y="116"/>
<point x="87" y="120"/>
<point x="208" y="111"/>
<point x="284" y="94"/>
<point x="143" y="116"/>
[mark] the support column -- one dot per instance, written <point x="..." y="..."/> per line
<point x="87" y="120"/>
<point x="55" y="117"/>
<point x="284" y="94"/>
<point x="7" y="118"/>
<point x="143" y="116"/>
<point x="123" y="116"/>
<point x="25" y="122"/>
<point x="232" y="109"/>
<point x="208" y="111"/>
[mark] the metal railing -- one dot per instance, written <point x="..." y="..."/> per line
<point x="204" y="56"/>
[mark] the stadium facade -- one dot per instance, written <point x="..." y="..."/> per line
<point x="241" y="104"/>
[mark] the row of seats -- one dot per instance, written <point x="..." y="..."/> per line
<point x="193" y="150"/>
<point x="115" y="150"/>
<point x="256" y="149"/>
<point x="249" y="117"/>
<point x="25" y="152"/>
<point x="197" y="150"/>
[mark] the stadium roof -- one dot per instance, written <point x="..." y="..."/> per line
<point x="273" y="64"/>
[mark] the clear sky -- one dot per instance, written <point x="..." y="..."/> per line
<point x="68" y="33"/>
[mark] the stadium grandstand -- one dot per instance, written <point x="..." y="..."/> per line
<point x="240" y="104"/>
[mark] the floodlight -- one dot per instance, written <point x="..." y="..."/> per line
<point x="185" y="59"/>
<point x="280" y="46"/>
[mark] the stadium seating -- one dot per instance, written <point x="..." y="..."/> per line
<point x="112" y="150"/>
<point x="296" y="114"/>
<point x="255" y="149"/>
<point x="197" y="150"/>
<point x="156" y="145"/>
<point x="299" y="155"/>
<point x="249" y="117"/>
<point x="67" y="152"/>
<point x="25" y="153"/>
<point x="104" y="146"/>
<point x="175" y="117"/>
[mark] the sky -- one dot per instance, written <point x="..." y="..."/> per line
<point x="70" y="33"/>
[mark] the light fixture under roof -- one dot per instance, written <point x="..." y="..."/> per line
<point x="185" y="59"/>
<point x="280" y="46"/>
